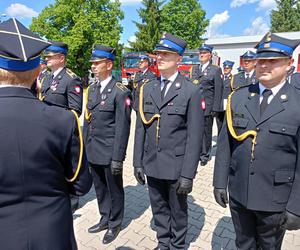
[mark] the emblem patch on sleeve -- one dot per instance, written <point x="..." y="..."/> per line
<point x="77" y="89"/>
<point x="127" y="101"/>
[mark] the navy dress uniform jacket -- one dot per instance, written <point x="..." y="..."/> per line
<point x="239" y="80"/>
<point x="39" y="147"/>
<point x="270" y="181"/>
<point x="211" y="83"/>
<point x="226" y="89"/>
<point x="176" y="153"/>
<point x="107" y="132"/>
<point x="65" y="90"/>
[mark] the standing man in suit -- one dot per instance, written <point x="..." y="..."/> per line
<point x="227" y="68"/>
<point x="144" y="74"/>
<point x="247" y="76"/>
<point x="168" y="140"/>
<point x="60" y="86"/>
<point x="259" y="150"/>
<point x="210" y="80"/>
<point x="107" y="126"/>
<point x="40" y="147"/>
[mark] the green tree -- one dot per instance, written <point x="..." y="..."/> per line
<point x="286" y="17"/>
<point x="80" y="24"/>
<point x="186" y="19"/>
<point x="149" y="32"/>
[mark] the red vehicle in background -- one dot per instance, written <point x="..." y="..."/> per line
<point x="130" y="65"/>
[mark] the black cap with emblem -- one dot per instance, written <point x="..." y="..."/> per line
<point x="171" y="43"/>
<point x="272" y="46"/>
<point x="20" y="48"/>
<point x="101" y="52"/>
<point x="57" y="48"/>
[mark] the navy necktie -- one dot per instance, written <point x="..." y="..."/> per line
<point x="266" y="93"/>
<point x="164" y="89"/>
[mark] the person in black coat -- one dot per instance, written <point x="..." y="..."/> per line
<point x="107" y="126"/>
<point x="258" y="151"/>
<point x="227" y="76"/>
<point x="168" y="139"/>
<point x="247" y="76"/>
<point x="60" y="87"/>
<point x="40" y="151"/>
<point x="144" y="74"/>
<point x="295" y="80"/>
<point x="210" y="80"/>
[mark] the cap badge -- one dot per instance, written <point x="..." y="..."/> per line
<point x="269" y="37"/>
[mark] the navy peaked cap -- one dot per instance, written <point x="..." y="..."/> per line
<point x="20" y="48"/>
<point x="206" y="47"/>
<point x="171" y="43"/>
<point x="228" y="63"/>
<point x="272" y="46"/>
<point x="101" y="52"/>
<point x="249" y="55"/>
<point x="56" y="48"/>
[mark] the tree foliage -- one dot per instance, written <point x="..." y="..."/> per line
<point x="286" y="17"/>
<point x="185" y="19"/>
<point x="80" y="24"/>
<point x="149" y="32"/>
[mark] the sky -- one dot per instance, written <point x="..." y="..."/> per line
<point x="227" y="17"/>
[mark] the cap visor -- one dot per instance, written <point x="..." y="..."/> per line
<point x="271" y="55"/>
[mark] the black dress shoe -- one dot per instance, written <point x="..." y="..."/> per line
<point x="98" y="227"/>
<point x="203" y="162"/>
<point x="110" y="235"/>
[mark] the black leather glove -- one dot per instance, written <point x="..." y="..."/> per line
<point x="116" y="167"/>
<point x="290" y="221"/>
<point x="139" y="175"/>
<point x="185" y="185"/>
<point x="221" y="196"/>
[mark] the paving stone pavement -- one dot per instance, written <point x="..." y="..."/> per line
<point x="210" y="226"/>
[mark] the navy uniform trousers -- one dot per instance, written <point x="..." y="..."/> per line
<point x="110" y="195"/>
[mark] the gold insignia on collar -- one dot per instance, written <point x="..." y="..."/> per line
<point x="283" y="97"/>
<point x="252" y="94"/>
<point x="196" y="81"/>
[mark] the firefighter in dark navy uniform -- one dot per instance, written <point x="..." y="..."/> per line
<point x="42" y="155"/>
<point x="227" y="76"/>
<point x="144" y="74"/>
<point x="295" y="80"/>
<point x="247" y="76"/>
<point x="168" y="141"/>
<point x="107" y="126"/>
<point x="259" y="149"/>
<point x="61" y="86"/>
<point x="209" y="79"/>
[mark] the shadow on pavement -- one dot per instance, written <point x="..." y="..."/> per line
<point x="136" y="203"/>
<point x="223" y="235"/>
<point x="125" y="248"/>
<point x="195" y="221"/>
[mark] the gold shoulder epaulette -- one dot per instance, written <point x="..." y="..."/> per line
<point x="121" y="86"/>
<point x="71" y="73"/>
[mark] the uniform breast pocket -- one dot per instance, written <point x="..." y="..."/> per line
<point x="176" y="115"/>
<point x="283" y="181"/>
<point x="282" y="136"/>
<point x="107" y="108"/>
<point x="60" y="90"/>
<point x="240" y="124"/>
